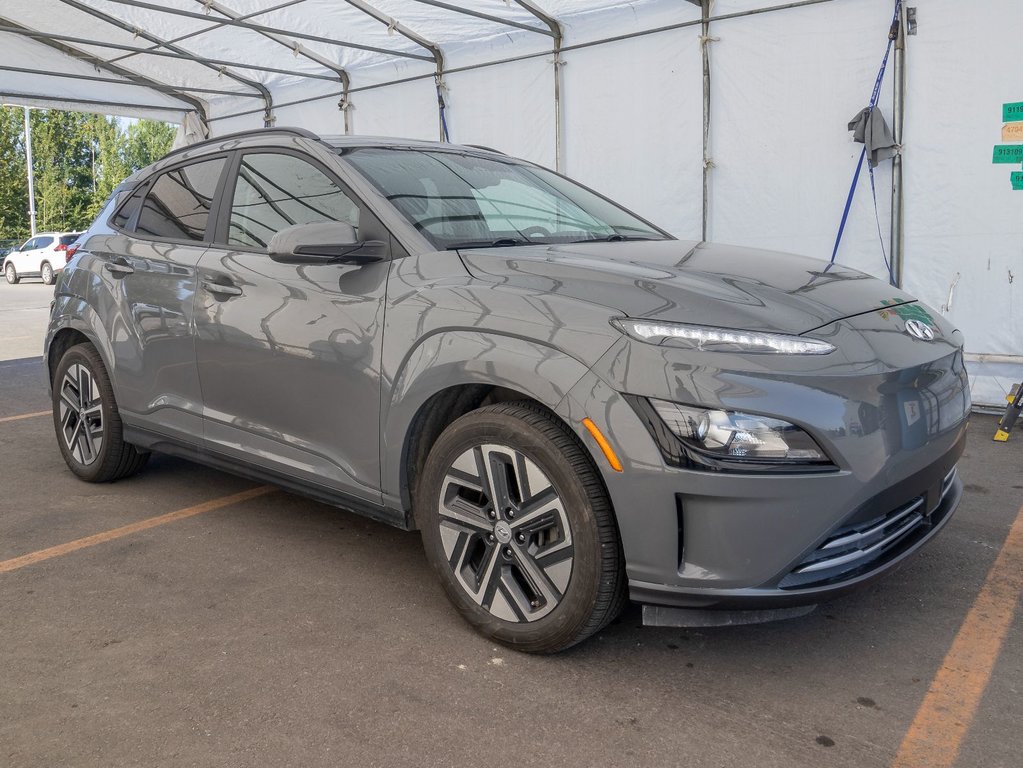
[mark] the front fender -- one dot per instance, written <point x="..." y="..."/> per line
<point x="457" y="357"/>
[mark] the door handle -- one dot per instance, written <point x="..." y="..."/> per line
<point x="221" y="289"/>
<point x="118" y="268"/>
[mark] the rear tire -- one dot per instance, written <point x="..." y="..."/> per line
<point x="518" y="526"/>
<point x="11" y="274"/>
<point x="46" y="271"/>
<point x="85" y="417"/>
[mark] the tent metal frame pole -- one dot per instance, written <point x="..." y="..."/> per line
<point x="898" y="241"/>
<point x="707" y="163"/>
<point x="298" y="50"/>
<point x="98" y="103"/>
<point x="558" y="33"/>
<point x="436" y="54"/>
<point x="117" y="81"/>
<point x="107" y="63"/>
<point x="12" y="28"/>
<point x="262" y="90"/>
<point x="31" y="175"/>
<point x="212" y="27"/>
<point x="171" y="10"/>
<point x="485" y="16"/>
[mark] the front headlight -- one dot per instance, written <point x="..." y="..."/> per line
<point x="739" y="436"/>
<point x="710" y="339"/>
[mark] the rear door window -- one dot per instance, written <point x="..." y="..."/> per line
<point x="43" y="242"/>
<point x="179" y="201"/>
<point x="275" y="190"/>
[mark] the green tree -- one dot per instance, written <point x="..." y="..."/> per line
<point x="78" y="160"/>
<point x="13" y="184"/>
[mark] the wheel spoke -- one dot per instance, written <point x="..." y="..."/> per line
<point x="484" y="469"/>
<point x="460" y="513"/>
<point x="482" y="576"/>
<point x="546" y="504"/>
<point x="537" y="577"/>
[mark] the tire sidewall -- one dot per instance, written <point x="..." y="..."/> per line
<point x="11" y="274"/>
<point x="577" y="604"/>
<point x="43" y="274"/>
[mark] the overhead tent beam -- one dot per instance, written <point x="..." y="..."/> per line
<point x="118" y="81"/>
<point x="434" y="49"/>
<point x="298" y="50"/>
<point x="558" y="33"/>
<point x="261" y="89"/>
<point x="98" y="103"/>
<point x="11" y="27"/>
<point x="228" y="22"/>
<point x="43" y="36"/>
<point x="485" y="16"/>
<point x="204" y="30"/>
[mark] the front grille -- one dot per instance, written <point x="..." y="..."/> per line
<point x="867" y="544"/>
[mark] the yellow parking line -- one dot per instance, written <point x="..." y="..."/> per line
<point x="944" y="717"/>
<point x="90" y="541"/>
<point x="24" y="416"/>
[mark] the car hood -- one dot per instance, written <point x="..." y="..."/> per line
<point x="691" y="282"/>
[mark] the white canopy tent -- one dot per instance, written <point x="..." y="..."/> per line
<point x="717" y="118"/>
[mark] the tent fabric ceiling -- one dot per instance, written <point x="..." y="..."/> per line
<point x="146" y="57"/>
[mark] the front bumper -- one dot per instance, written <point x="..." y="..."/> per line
<point x="700" y="539"/>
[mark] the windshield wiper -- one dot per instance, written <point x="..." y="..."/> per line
<point x="504" y="242"/>
<point x="615" y="238"/>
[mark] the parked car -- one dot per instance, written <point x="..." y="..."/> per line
<point x="572" y="406"/>
<point x="42" y="256"/>
<point x="6" y="246"/>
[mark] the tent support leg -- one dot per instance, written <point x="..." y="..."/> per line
<point x="707" y="163"/>
<point x="898" y="195"/>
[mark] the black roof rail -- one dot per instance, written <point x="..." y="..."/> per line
<point x="487" y="149"/>
<point x="288" y="131"/>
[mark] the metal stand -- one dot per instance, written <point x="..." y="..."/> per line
<point x="1012" y="413"/>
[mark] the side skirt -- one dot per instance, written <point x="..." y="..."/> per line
<point x="154" y="441"/>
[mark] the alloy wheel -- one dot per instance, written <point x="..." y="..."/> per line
<point x="81" y="414"/>
<point x="505" y="533"/>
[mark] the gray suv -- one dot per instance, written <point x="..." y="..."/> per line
<point x="572" y="406"/>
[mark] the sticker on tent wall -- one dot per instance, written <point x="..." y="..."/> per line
<point x="1017" y="180"/>
<point x="1008" y="153"/>
<point x="1012" y="132"/>
<point x="1012" y="112"/>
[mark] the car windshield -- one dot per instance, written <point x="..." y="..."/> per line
<point x="459" y="200"/>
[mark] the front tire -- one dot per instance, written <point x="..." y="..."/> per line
<point x="11" y="274"/>
<point x="85" y="417"/>
<point x="517" y="524"/>
<point x="47" y="273"/>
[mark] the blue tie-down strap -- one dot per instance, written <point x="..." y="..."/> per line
<point x="893" y="33"/>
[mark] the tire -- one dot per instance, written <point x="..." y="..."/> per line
<point x="46" y="272"/>
<point x="542" y="569"/>
<point x="11" y="274"/>
<point x="85" y="417"/>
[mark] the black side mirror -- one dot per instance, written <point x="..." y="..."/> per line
<point x="324" y="242"/>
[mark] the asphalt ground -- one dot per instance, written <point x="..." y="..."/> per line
<point x="269" y="630"/>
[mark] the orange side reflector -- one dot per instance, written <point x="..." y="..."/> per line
<point x="605" y="446"/>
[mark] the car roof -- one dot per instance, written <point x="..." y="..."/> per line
<point x="257" y="135"/>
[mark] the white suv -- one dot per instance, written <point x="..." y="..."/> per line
<point x="41" y="256"/>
